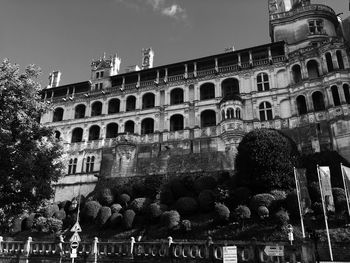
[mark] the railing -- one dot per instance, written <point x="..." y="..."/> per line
<point x="206" y="72"/>
<point x="260" y="62"/>
<point x="293" y="12"/>
<point x="175" y="78"/>
<point x="229" y="68"/>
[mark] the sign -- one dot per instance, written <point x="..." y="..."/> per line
<point x="75" y="238"/>
<point x="325" y="182"/>
<point x="274" y="251"/>
<point x="229" y="254"/>
<point x="302" y="191"/>
<point x="74" y="245"/>
<point x="76" y="227"/>
<point x="73" y="254"/>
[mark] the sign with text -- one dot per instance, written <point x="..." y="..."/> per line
<point x="274" y="251"/>
<point x="229" y="254"/>
<point x="73" y="254"/>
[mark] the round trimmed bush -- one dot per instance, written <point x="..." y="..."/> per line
<point x="186" y="225"/>
<point x="260" y="200"/>
<point x="103" y="215"/>
<point x="106" y="197"/>
<point x="279" y="194"/>
<point x="263" y="212"/>
<point x="206" y="200"/>
<point x="155" y="211"/>
<point x="282" y="217"/>
<point x="243" y="212"/>
<point x="116" y="208"/>
<point x="140" y="205"/>
<point x="49" y="210"/>
<point x="170" y="219"/>
<point x="61" y="215"/>
<point x="205" y="182"/>
<point x="166" y="196"/>
<point x="124" y="199"/>
<point x="91" y="210"/>
<point x="128" y="218"/>
<point x="222" y="213"/>
<point x="28" y="222"/>
<point x="54" y="225"/>
<point x="186" y="205"/>
<point x="115" y="220"/>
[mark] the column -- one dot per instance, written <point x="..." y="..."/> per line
<point x="218" y="93"/>
<point x="341" y="94"/>
<point x="123" y="104"/>
<point x="303" y="68"/>
<point x="195" y="69"/>
<point x="216" y="65"/>
<point x="157" y="80"/>
<point x="123" y="83"/>
<point x="239" y="60"/>
<point x="166" y="75"/>
<point x="250" y="57"/>
<point x="269" y="53"/>
<point x="334" y="60"/>
<point x="138" y="80"/>
<point x="309" y="102"/>
<point x="186" y="71"/>
<point x="138" y="101"/>
<point x="157" y="99"/>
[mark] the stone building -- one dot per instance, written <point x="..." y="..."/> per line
<point x="190" y="116"/>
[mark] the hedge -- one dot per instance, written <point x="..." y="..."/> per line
<point x="91" y="210"/>
<point x="260" y="200"/>
<point x="205" y="182"/>
<point x="186" y="205"/>
<point x="128" y="218"/>
<point x="170" y="219"/>
<point x="140" y="205"/>
<point x="103" y="215"/>
<point x="222" y="213"/>
<point x="206" y="200"/>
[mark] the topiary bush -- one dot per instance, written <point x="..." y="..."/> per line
<point x="105" y="196"/>
<point x="282" y="218"/>
<point x="140" y="205"/>
<point x="222" y="213"/>
<point x="206" y="200"/>
<point x="40" y="224"/>
<point x="49" y="210"/>
<point x="90" y="211"/>
<point x="205" y="182"/>
<point x="124" y="199"/>
<point x="54" y="225"/>
<point x="103" y="215"/>
<point x="155" y="211"/>
<point x="186" y="225"/>
<point x="186" y="205"/>
<point x="166" y="196"/>
<point x="28" y="222"/>
<point x="242" y="212"/>
<point x="279" y="202"/>
<point x="61" y="214"/>
<point x="116" y="208"/>
<point x="339" y="199"/>
<point x="170" y="219"/>
<point x="128" y="218"/>
<point x="260" y="200"/>
<point x="263" y="212"/>
<point x="115" y="220"/>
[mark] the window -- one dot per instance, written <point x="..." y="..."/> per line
<point x="96" y="86"/>
<point x="301" y="105"/>
<point x="223" y="115"/>
<point x="94" y="133"/>
<point x="329" y="62"/>
<point x="207" y="91"/>
<point x="72" y="166"/>
<point x="147" y="126"/>
<point x="112" y="130"/>
<point x="96" y="108"/>
<point x="148" y="101"/>
<point x="230" y="113"/>
<point x="340" y="59"/>
<point x="346" y="89"/>
<point x="129" y="127"/>
<point x="296" y="72"/>
<point x="265" y="111"/>
<point x="316" y="26"/>
<point x="79" y="111"/>
<point x="90" y="162"/>
<point x="101" y="74"/>
<point x="312" y="69"/>
<point x="229" y="88"/>
<point x="176" y="122"/>
<point x="335" y="95"/>
<point x="101" y="86"/>
<point x="113" y="106"/>
<point x="130" y="103"/>
<point x="208" y="118"/>
<point x="57" y="135"/>
<point x="97" y="75"/>
<point x="58" y="115"/>
<point x="238" y="114"/>
<point x="176" y="96"/>
<point x="77" y="135"/>
<point x="318" y="101"/>
<point x="263" y="82"/>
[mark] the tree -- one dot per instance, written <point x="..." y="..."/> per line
<point x="30" y="156"/>
<point x="265" y="161"/>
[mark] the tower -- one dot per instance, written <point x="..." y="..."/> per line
<point x="147" y="58"/>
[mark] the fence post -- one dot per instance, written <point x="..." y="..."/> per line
<point x="1" y="240"/>
<point x="95" y="249"/>
<point x="132" y="243"/>
<point x="60" y="245"/>
<point x="27" y="246"/>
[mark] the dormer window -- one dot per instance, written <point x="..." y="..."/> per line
<point x="99" y="74"/>
<point x="316" y="26"/>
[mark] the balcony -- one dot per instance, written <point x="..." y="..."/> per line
<point x="309" y="8"/>
<point x="176" y="135"/>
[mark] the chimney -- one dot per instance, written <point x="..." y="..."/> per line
<point x="54" y="79"/>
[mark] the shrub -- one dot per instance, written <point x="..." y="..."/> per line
<point x="222" y="213"/>
<point x="263" y="212"/>
<point x="186" y="205"/>
<point x="115" y="220"/>
<point x="103" y="215"/>
<point x="140" y="205"/>
<point x="91" y="210"/>
<point x="221" y="194"/>
<point x="66" y="206"/>
<point x="179" y="189"/>
<point x="128" y="218"/>
<point x="279" y="194"/>
<point x="292" y="204"/>
<point x="139" y="189"/>
<point x="49" y="210"/>
<point x="70" y="220"/>
<point x="153" y="184"/>
<point x="54" y="225"/>
<point x="170" y="219"/>
<point x="124" y="199"/>
<point x="106" y="197"/>
<point x="279" y="202"/>
<point x="317" y="208"/>
<point x="116" y="208"/>
<point x="28" y="222"/>
<point x="186" y="225"/>
<point x="206" y="200"/>
<point x="282" y="217"/>
<point x="155" y="211"/>
<point x="61" y="215"/>
<point x="315" y="192"/>
<point x="243" y="212"/>
<point x="205" y="182"/>
<point x="166" y="196"/>
<point x="339" y="199"/>
<point x="260" y="200"/>
<point x="40" y="224"/>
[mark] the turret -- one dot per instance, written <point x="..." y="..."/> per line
<point x="54" y="79"/>
<point x="147" y="58"/>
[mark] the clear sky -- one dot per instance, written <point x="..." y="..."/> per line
<point x="66" y="35"/>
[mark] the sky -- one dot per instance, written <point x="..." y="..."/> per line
<point x="66" y="35"/>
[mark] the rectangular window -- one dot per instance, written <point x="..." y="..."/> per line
<point x="101" y="74"/>
<point x="96" y="86"/>
<point x="97" y="75"/>
<point x="101" y="86"/>
<point x="316" y="26"/>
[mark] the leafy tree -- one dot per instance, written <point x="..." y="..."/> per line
<point x="265" y="160"/>
<point x="30" y="156"/>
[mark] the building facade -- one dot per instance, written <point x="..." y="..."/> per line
<point x="190" y="116"/>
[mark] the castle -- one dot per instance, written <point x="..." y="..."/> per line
<point x="190" y="116"/>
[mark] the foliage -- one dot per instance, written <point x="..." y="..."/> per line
<point x="138" y="189"/>
<point x="186" y="205"/>
<point x="339" y="199"/>
<point x="30" y="156"/>
<point x="206" y="200"/>
<point x="124" y="199"/>
<point x="265" y="160"/>
<point x="317" y="208"/>
<point x="128" y="218"/>
<point x="116" y="208"/>
<point x="105" y="196"/>
<point x="153" y="184"/>
<point x="239" y="196"/>
<point x="115" y="220"/>
<point x="50" y="210"/>
<point x="205" y="182"/>
<point x="54" y="224"/>
<point x="261" y="200"/>
<point x="166" y="196"/>
<point x="60" y="214"/>
<point x="91" y="210"/>
<point x="16" y="225"/>
<point x="186" y="225"/>
<point x="179" y="189"/>
<point x="140" y="205"/>
<point x="222" y="213"/>
<point x="243" y="212"/>
<point x="282" y="217"/>
<point x="28" y="222"/>
<point x="103" y="215"/>
<point x="279" y="202"/>
<point x="314" y="191"/>
<point x="40" y="224"/>
<point x="155" y="211"/>
<point x="279" y="194"/>
<point x="263" y="212"/>
<point x="170" y="219"/>
<point x="292" y="204"/>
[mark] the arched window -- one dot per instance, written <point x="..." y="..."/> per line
<point x="238" y="113"/>
<point x="112" y="130"/>
<point x="301" y="105"/>
<point x="131" y="103"/>
<point x="77" y="135"/>
<point x="129" y="127"/>
<point x="208" y="118"/>
<point x="340" y="59"/>
<point x="176" y="122"/>
<point x="296" y="72"/>
<point x="318" y="101"/>
<point x="312" y="69"/>
<point x="90" y="162"/>
<point x="262" y="81"/>
<point x="79" y="111"/>
<point x="148" y="101"/>
<point x="96" y="108"/>
<point x="94" y="133"/>
<point x="176" y="96"/>
<point x="230" y="113"/>
<point x="58" y="114"/>
<point x="223" y="115"/>
<point x="113" y="106"/>
<point x="265" y="111"/>
<point x="57" y="135"/>
<point x="147" y="126"/>
<point x="72" y="166"/>
<point x="335" y="95"/>
<point x="346" y="89"/>
<point x="229" y="88"/>
<point x="207" y="91"/>
<point x="329" y="62"/>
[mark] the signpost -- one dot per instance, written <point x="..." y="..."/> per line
<point x="274" y="251"/>
<point x="229" y="254"/>
<point x="74" y="240"/>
